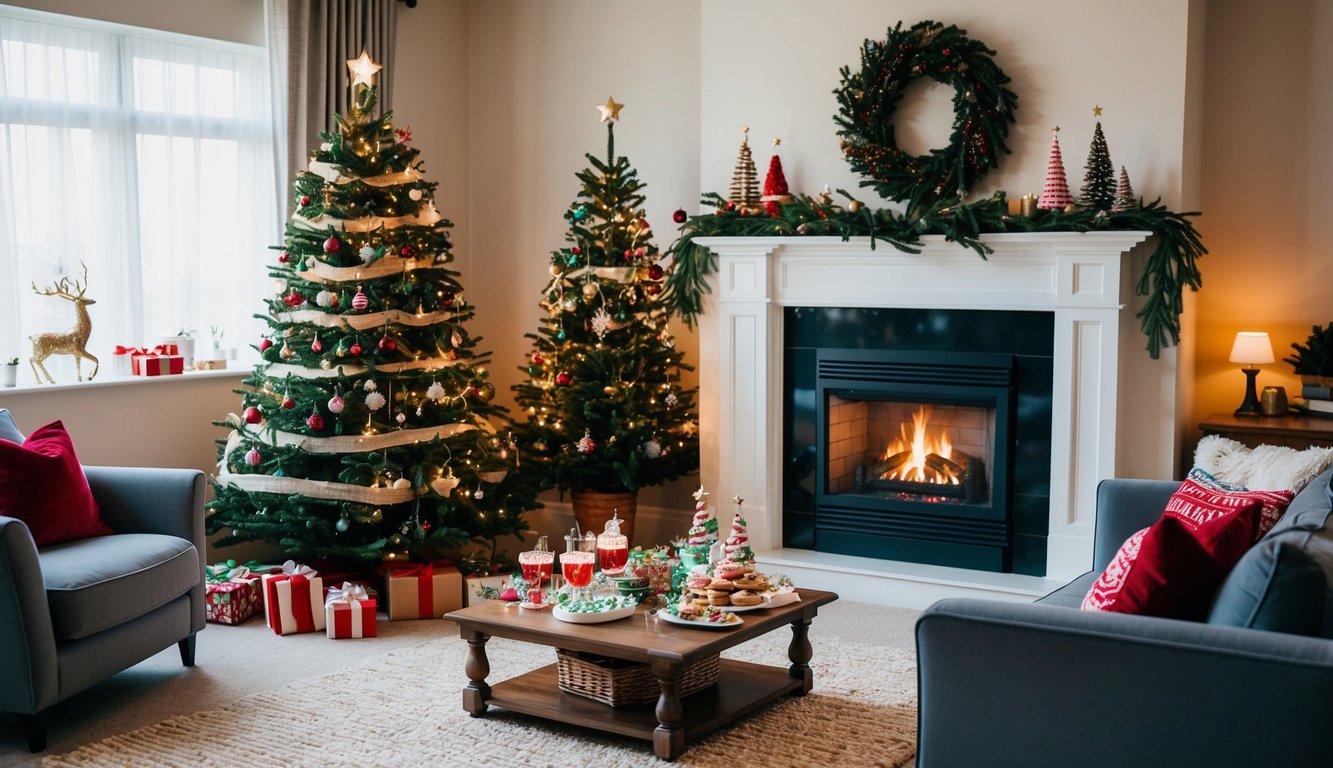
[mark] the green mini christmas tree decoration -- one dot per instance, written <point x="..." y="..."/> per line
<point x="365" y="433"/>
<point x="605" y="407"/>
<point x="1099" y="183"/>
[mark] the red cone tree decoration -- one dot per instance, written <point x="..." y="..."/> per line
<point x="1055" y="195"/>
<point x="775" y="186"/>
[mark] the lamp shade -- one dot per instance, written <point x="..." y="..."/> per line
<point x="1252" y="348"/>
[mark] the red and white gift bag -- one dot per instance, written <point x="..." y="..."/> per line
<point x="350" y="612"/>
<point x="294" y="600"/>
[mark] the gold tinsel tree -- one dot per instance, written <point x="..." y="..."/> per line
<point x="744" y="178"/>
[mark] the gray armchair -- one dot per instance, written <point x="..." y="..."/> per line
<point x="73" y="614"/>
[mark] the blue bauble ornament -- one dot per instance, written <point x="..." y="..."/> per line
<point x="579" y="213"/>
<point x="560" y="335"/>
<point x="572" y="260"/>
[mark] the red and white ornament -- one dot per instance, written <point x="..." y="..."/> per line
<point x="337" y="404"/>
<point x="359" y="301"/>
<point x="252" y="457"/>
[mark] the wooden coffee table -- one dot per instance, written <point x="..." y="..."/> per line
<point x="667" y="648"/>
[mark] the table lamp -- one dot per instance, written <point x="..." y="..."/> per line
<point x="1251" y="348"/>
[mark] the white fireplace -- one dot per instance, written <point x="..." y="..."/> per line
<point x="1076" y="277"/>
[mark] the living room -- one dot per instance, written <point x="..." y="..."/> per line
<point x="1212" y="107"/>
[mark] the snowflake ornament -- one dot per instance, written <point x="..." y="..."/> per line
<point x="324" y="299"/>
<point x="370" y="385"/>
<point x="601" y="323"/>
<point x="367" y="254"/>
<point x="671" y="400"/>
<point x="435" y="391"/>
<point x="652" y="449"/>
<point x="375" y="401"/>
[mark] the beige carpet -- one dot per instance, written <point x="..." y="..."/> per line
<point x="405" y="705"/>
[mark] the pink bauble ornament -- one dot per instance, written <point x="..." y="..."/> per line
<point x="359" y="301"/>
<point x="336" y="404"/>
<point x="265" y="344"/>
<point x="316" y="347"/>
<point x="400" y="418"/>
<point x="252" y="457"/>
<point x="252" y="415"/>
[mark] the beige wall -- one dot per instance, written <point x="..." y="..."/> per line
<point x="1268" y="181"/>
<point x="500" y="97"/>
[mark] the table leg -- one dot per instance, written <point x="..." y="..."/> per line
<point x="477" y="668"/>
<point x="800" y="652"/>
<point x="669" y="737"/>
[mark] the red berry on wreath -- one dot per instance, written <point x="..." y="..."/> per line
<point x="355" y="349"/>
<point x="332" y="245"/>
<point x="252" y="415"/>
<point x="564" y="378"/>
<point x="680" y="216"/>
<point x="655" y="272"/>
<point x="315" y="422"/>
<point x="265" y="344"/>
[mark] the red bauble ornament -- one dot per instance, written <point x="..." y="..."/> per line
<point x="316" y="347"/>
<point x="283" y="258"/>
<point x="447" y="300"/>
<point x="387" y="344"/>
<point x="305" y="200"/>
<point x="315" y="422"/>
<point x="731" y="206"/>
<point x="288" y="402"/>
<point x="332" y="245"/>
<point x="576" y="250"/>
<point x="355" y="349"/>
<point x="293" y="299"/>
<point x="537" y="358"/>
<point x="564" y="378"/>
<point x="652" y="289"/>
<point x="265" y="344"/>
<point x="408" y="252"/>
<point x="680" y="216"/>
<point x="655" y="272"/>
<point x="252" y="415"/>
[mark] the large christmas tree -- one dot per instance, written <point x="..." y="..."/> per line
<point x="606" y="410"/>
<point x="365" y="432"/>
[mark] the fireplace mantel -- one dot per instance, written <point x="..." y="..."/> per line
<point x="1076" y="276"/>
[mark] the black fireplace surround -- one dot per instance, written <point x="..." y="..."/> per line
<point x="986" y="361"/>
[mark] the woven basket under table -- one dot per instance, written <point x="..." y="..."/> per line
<point x="623" y="683"/>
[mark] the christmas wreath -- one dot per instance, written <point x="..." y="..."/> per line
<point x="983" y="109"/>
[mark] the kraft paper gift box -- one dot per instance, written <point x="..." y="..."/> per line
<point x="427" y="591"/>
<point x="350" y="612"/>
<point x="294" y="600"/>
<point x="155" y="364"/>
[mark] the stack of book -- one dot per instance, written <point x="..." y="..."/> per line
<point x="1319" y="398"/>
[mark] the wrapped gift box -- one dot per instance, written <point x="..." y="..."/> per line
<point x="479" y="589"/>
<point x="350" y="612"/>
<point x="423" y="591"/>
<point x="157" y="365"/>
<point x="120" y="360"/>
<point x="231" y="602"/>
<point x="294" y="600"/>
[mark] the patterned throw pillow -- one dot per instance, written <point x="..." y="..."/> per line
<point x="1173" y="567"/>
<point x="1275" y="502"/>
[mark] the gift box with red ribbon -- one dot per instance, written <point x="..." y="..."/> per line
<point x="294" y="600"/>
<point x="232" y="598"/>
<point x="161" y="360"/>
<point x="350" y="612"/>
<point x="423" y="591"/>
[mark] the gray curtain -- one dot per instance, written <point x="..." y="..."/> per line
<point x="310" y="42"/>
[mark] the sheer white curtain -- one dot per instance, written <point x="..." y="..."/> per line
<point x="145" y="156"/>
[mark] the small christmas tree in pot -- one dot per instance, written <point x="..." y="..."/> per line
<point x="606" y="411"/>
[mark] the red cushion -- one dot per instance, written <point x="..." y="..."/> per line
<point x="1173" y="567"/>
<point x="42" y="484"/>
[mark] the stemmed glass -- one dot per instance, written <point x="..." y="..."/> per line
<point x="577" y="568"/>
<point x="537" y="566"/>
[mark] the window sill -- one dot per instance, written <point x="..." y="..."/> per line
<point x="102" y="381"/>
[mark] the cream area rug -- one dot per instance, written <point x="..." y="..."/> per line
<point x="405" y="707"/>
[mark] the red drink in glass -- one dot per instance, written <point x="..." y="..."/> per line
<point x="577" y="567"/>
<point x="537" y="567"/>
<point x="613" y="559"/>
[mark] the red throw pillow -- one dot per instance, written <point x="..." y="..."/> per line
<point x="42" y="484"/>
<point x="1173" y="567"/>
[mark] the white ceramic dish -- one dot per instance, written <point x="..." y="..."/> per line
<point x="674" y="619"/>
<point x="593" y="618"/>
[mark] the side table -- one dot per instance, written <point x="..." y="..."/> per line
<point x="1292" y="431"/>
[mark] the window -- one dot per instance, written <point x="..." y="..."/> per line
<point x="146" y="157"/>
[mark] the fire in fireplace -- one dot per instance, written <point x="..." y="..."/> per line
<point x="926" y="459"/>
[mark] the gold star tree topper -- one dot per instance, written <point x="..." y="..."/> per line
<point x="363" y="69"/>
<point x="610" y="110"/>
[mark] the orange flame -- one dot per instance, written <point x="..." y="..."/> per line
<point x="918" y="439"/>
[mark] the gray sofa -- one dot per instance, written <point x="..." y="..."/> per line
<point x="75" y="613"/>
<point x="1046" y="684"/>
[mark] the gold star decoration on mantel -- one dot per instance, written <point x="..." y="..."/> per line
<point x="777" y="142"/>
<point x="610" y="110"/>
<point x="363" y="69"/>
<point x="1097" y="110"/>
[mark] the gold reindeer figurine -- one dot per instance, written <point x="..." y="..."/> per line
<point x="72" y="342"/>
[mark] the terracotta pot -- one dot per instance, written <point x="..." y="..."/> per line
<point x="593" y="508"/>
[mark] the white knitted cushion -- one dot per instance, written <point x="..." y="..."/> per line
<point x="1268" y="467"/>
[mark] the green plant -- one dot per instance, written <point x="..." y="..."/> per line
<point x="1315" y="356"/>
